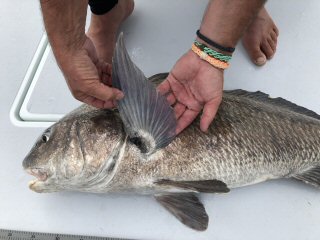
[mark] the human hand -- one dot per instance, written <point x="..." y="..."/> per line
<point x="88" y="78"/>
<point x="191" y="85"/>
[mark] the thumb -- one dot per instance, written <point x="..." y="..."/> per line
<point x="105" y="93"/>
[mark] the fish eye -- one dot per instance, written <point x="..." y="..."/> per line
<point x="45" y="138"/>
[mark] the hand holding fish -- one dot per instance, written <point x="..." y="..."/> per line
<point x="88" y="77"/>
<point x="191" y="86"/>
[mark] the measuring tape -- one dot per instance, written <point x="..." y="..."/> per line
<point x="21" y="235"/>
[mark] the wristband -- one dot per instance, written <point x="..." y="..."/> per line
<point x="213" y="61"/>
<point x="214" y="44"/>
<point x="212" y="53"/>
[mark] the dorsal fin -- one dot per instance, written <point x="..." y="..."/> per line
<point x="279" y="102"/>
<point x="148" y="118"/>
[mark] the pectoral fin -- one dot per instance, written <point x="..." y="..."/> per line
<point x="206" y="186"/>
<point x="148" y="118"/>
<point x="187" y="208"/>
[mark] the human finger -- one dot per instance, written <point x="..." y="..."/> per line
<point x="209" y="111"/>
<point x="164" y="87"/>
<point x="106" y="79"/>
<point x="92" y="101"/>
<point x="179" y="109"/>
<point x="103" y="92"/>
<point x="109" y="104"/>
<point x="171" y="99"/>
<point x="106" y="73"/>
<point x="186" y="119"/>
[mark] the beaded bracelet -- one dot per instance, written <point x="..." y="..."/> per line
<point x="212" y="53"/>
<point x="213" y="61"/>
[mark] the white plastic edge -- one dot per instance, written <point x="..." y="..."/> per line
<point x="19" y="114"/>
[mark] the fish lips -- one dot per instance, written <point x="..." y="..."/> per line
<point x="39" y="173"/>
<point x="38" y="185"/>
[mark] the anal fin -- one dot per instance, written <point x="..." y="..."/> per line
<point x="187" y="208"/>
<point x="205" y="186"/>
<point x="311" y="176"/>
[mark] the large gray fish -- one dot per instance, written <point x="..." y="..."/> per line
<point x="253" y="138"/>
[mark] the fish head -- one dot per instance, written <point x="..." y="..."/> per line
<point x="75" y="152"/>
<point x="38" y="160"/>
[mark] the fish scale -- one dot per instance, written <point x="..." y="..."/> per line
<point x="265" y="161"/>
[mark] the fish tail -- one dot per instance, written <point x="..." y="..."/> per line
<point x="310" y="176"/>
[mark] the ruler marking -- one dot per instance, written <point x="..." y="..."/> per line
<point x="7" y="234"/>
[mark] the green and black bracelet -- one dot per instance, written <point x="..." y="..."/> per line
<point x="212" y="53"/>
<point x="214" y="44"/>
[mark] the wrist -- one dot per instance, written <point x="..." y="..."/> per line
<point x="65" y="23"/>
<point x="218" y="35"/>
<point x="67" y="46"/>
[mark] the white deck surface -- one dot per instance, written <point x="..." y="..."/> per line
<point x="281" y="209"/>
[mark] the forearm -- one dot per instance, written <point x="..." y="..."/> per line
<point x="225" y="20"/>
<point x="64" y="22"/>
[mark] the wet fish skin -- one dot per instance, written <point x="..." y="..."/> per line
<point x="248" y="142"/>
<point x="77" y="147"/>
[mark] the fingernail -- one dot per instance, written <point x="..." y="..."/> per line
<point x="204" y="130"/>
<point x="261" y="60"/>
<point x="119" y="95"/>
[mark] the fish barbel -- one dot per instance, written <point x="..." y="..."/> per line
<point x="253" y="138"/>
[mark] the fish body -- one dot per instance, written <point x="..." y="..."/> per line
<point x="248" y="142"/>
<point x="253" y="138"/>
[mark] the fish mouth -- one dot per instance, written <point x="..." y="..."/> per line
<point x="39" y="173"/>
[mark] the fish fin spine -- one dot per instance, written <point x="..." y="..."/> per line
<point x="205" y="186"/>
<point x="278" y="102"/>
<point x="148" y="118"/>
<point x="187" y="208"/>
<point x="310" y="176"/>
